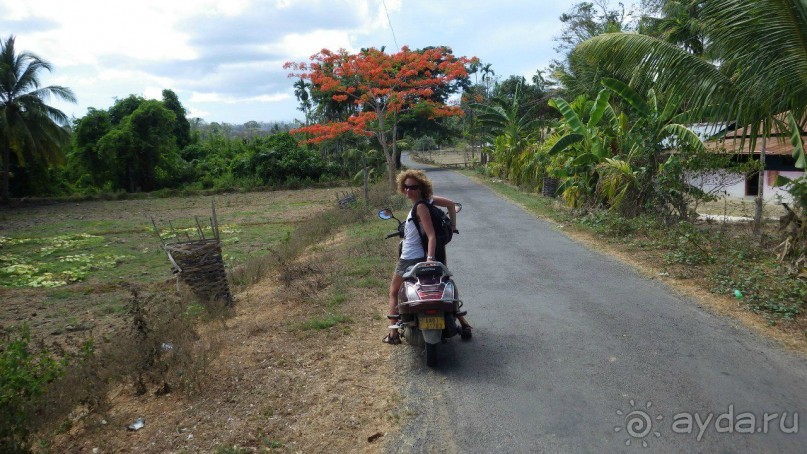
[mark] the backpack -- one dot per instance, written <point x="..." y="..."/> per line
<point x="440" y="222"/>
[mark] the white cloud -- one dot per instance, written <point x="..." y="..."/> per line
<point x="220" y="98"/>
<point x="302" y="46"/>
<point x="224" y="58"/>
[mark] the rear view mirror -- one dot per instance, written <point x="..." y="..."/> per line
<point x="385" y="214"/>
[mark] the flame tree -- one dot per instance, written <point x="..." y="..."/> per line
<point x="381" y="87"/>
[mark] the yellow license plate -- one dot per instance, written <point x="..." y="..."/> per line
<point x="432" y="323"/>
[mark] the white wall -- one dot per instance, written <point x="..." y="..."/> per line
<point x="733" y="185"/>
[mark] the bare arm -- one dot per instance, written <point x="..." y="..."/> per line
<point x="452" y="209"/>
<point x="425" y="219"/>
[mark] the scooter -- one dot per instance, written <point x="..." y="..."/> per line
<point x="428" y="302"/>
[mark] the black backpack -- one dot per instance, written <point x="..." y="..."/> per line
<point x="440" y="221"/>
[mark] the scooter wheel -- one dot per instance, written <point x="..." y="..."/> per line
<point x="431" y="355"/>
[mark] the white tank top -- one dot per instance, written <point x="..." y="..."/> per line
<point x="412" y="245"/>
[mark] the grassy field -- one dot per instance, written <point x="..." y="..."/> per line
<point x="310" y="286"/>
<point x="66" y="267"/>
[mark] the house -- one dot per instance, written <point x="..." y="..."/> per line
<point x="778" y="161"/>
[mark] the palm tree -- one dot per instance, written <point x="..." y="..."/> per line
<point x="654" y="126"/>
<point x="28" y="126"/>
<point x="679" y="24"/>
<point x="509" y="129"/>
<point x="760" y="68"/>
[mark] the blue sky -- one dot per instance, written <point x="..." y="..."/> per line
<point x="224" y="58"/>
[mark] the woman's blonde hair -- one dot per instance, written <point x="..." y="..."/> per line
<point x="425" y="183"/>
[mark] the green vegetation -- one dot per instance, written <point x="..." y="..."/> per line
<point x="52" y="261"/>
<point x="24" y="376"/>
<point x="30" y="130"/>
<point x="609" y="122"/>
<point x="326" y="322"/>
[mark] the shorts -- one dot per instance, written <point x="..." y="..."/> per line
<point x="403" y="264"/>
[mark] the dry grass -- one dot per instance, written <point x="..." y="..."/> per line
<point x="789" y="334"/>
<point x="273" y="386"/>
<point x="296" y="369"/>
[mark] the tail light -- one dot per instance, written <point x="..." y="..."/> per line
<point x="448" y="291"/>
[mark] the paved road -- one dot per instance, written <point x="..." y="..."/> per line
<point x="575" y="352"/>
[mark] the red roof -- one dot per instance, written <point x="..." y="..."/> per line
<point x="775" y="145"/>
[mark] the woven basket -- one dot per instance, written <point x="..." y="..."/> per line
<point x="201" y="267"/>
<point x="550" y="186"/>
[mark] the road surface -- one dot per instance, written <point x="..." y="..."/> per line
<point x="574" y="351"/>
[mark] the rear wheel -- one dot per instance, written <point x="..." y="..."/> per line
<point x="431" y="355"/>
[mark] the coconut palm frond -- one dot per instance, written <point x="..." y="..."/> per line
<point x="667" y="67"/>
<point x="684" y="135"/>
<point x="798" y="144"/>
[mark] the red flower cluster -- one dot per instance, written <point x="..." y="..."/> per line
<point x="380" y="85"/>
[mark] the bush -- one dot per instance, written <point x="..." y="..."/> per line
<point x="23" y="377"/>
<point x="425" y="143"/>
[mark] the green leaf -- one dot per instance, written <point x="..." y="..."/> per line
<point x="781" y="181"/>
<point x="569" y="116"/>
<point x="565" y="142"/>
<point x="630" y="95"/>
<point x="686" y="136"/>
<point x="599" y="107"/>
<point x="795" y="140"/>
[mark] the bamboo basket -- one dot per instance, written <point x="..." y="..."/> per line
<point x="200" y="265"/>
<point x="199" y="262"/>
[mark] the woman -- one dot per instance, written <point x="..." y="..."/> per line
<point x="416" y="186"/>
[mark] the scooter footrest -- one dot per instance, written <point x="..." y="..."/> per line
<point x="394" y="317"/>
<point x="461" y="313"/>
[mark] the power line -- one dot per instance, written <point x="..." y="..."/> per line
<point x="394" y="39"/>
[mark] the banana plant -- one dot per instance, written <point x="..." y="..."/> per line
<point x="585" y="145"/>
<point x="510" y="132"/>
<point x="654" y="129"/>
<point x="658" y="125"/>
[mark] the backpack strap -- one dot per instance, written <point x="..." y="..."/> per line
<point x="416" y="220"/>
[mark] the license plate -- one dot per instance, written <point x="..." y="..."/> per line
<point x="432" y="323"/>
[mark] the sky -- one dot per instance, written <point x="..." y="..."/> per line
<point x="224" y="58"/>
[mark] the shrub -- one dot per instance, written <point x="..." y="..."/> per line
<point x="24" y="376"/>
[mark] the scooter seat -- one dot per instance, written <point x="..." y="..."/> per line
<point x="427" y="269"/>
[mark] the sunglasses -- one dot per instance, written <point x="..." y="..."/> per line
<point x="412" y="187"/>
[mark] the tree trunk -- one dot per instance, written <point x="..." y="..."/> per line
<point x="395" y="152"/>
<point x="760" y="188"/>
<point x="391" y="171"/>
<point x="390" y="157"/>
<point x="366" y="183"/>
<point x="130" y="174"/>
<point x="6" y="174"/>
